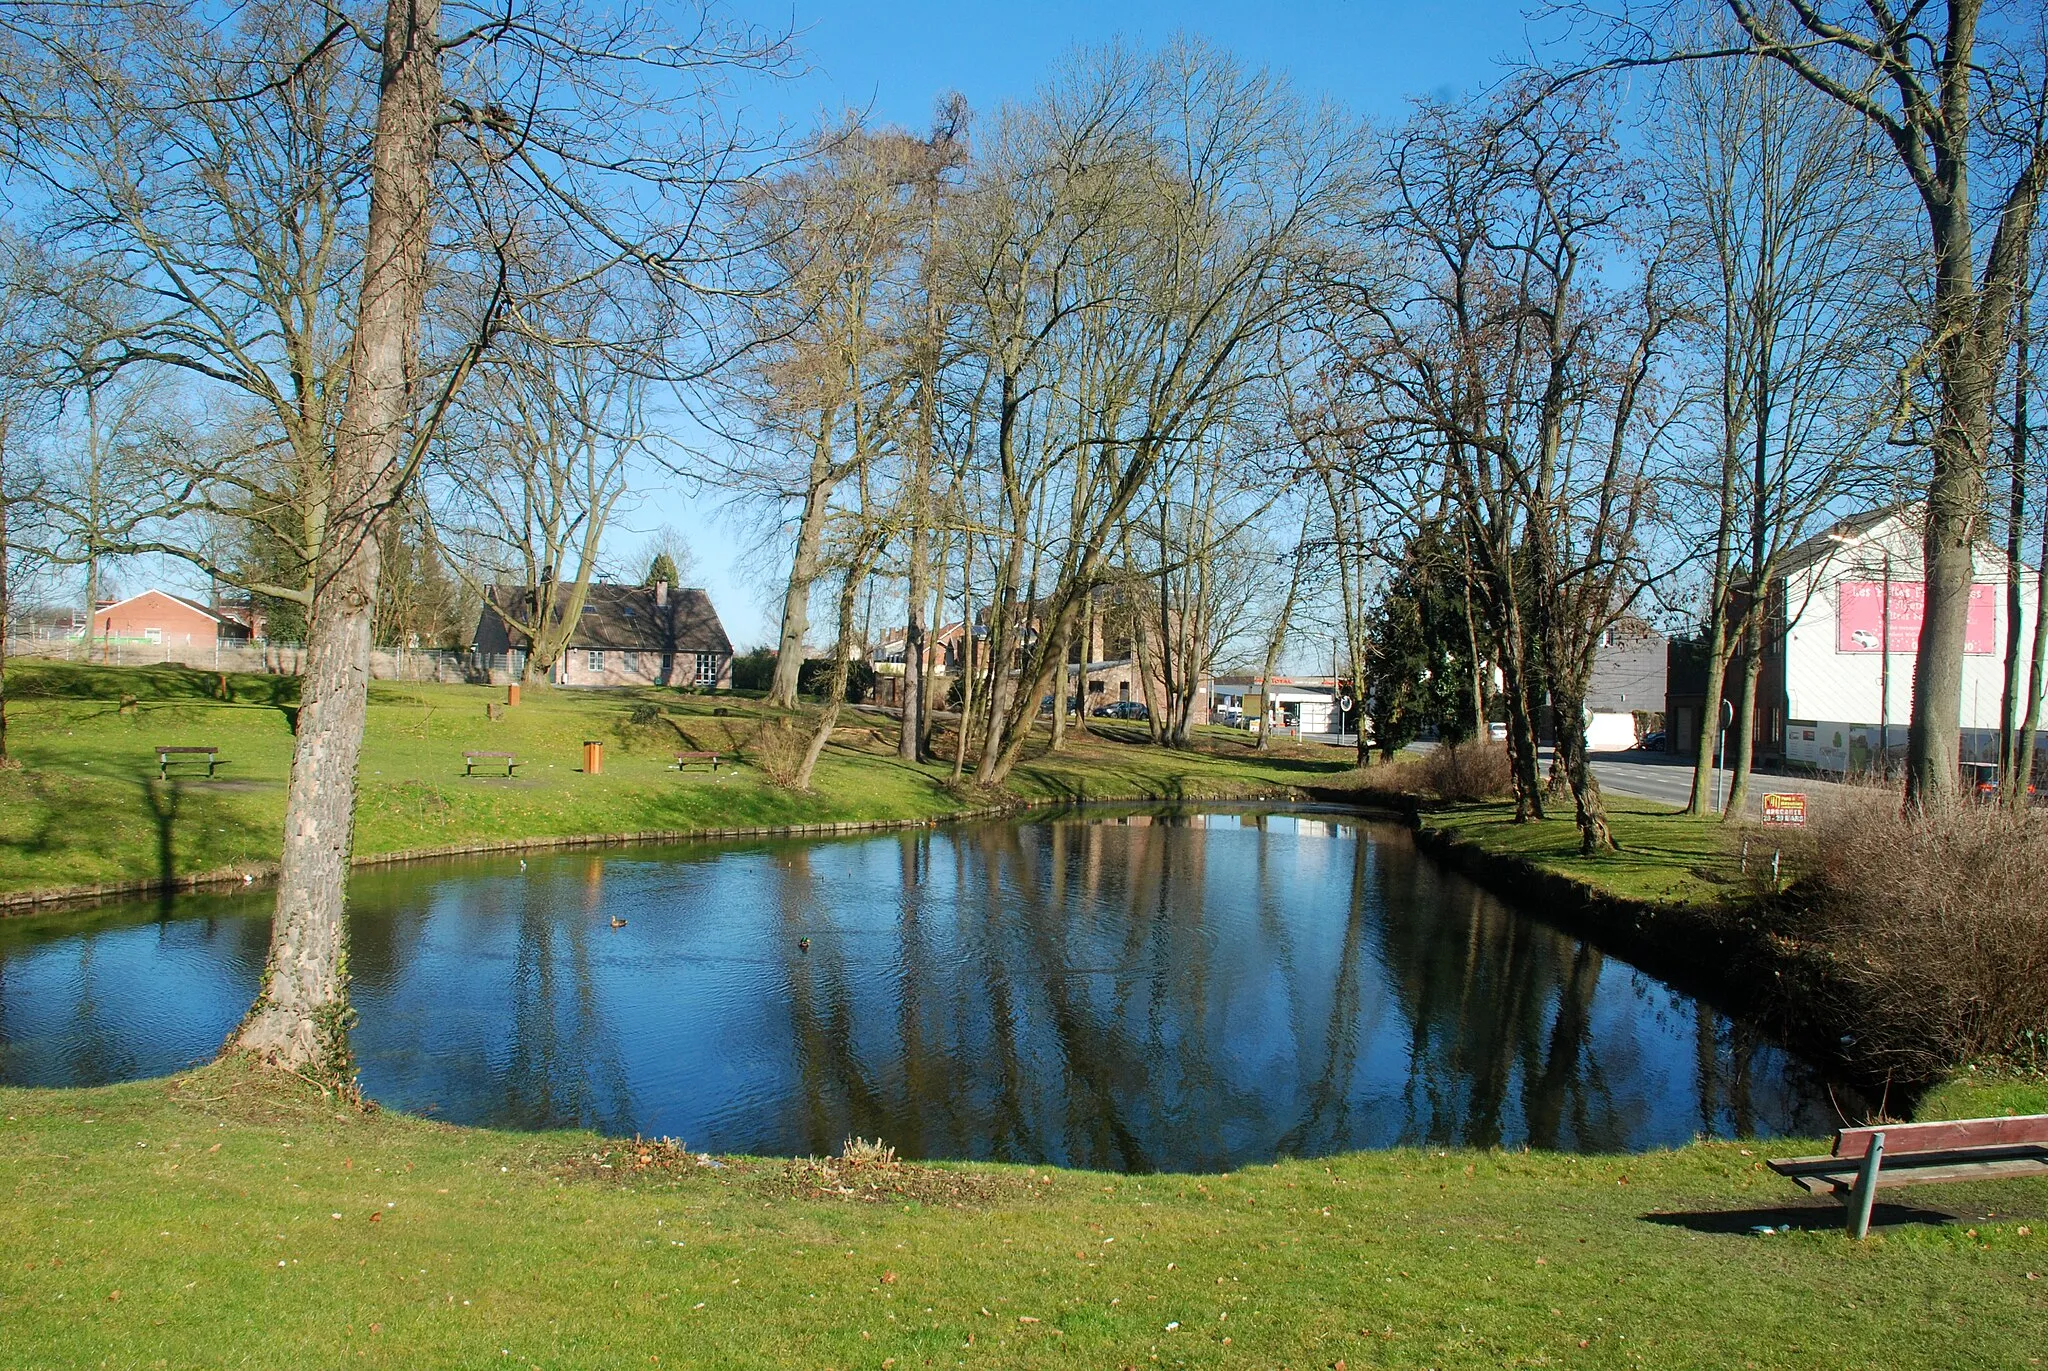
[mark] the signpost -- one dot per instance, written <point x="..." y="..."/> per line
<point x="1787" y="809"/>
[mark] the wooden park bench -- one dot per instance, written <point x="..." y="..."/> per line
<point x="164" y="755"/>
<point x="1867" y="1159"/>
<point x="683" y="759"/>
<point x="470" y="759"/>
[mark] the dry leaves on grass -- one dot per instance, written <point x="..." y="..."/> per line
<point x="870" y="1174"/>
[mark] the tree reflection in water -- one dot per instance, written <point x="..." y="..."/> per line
<point x="1134" y="992"/>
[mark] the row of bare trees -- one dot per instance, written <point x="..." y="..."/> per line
<point x="1165" y="350"/>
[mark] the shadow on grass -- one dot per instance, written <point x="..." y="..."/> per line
<point x="29" y="679"/>
<point x="1820" y="1217"/>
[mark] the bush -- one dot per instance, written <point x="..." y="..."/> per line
<point x="1938" y="927"/>
<point x="1463" y="773"/>
<point x="1468" y="772"/>
<point x="644" y="728"/>
<point x="753" y="670"/>
<point x="777" y="747"/>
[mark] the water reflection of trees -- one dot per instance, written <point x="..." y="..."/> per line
<point x="1130" y="995"/>
<point x="1133" y="994"/>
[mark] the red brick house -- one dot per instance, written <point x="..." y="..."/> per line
<point x="162" y="619"/>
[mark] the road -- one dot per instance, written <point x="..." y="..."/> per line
<point x="1665" y="779"/>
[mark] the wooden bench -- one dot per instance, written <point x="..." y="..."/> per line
<point x="164" y="755"/>
<point x="1867" y="1159"/>
<point x="683" y="759"/>
<point x="470" y="759"/>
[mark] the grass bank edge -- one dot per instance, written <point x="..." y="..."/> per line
<point x="179" y="1216"/>
<point x="88" y="735"/>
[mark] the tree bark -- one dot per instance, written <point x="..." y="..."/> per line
<point x="2012" y="785"/>
<point x="2037" y="668"/>
<point x="5" y="760"/>
<point x="300" y="1018"/>
<point x="803" y="570"/>
<point x="1277" y="644"/>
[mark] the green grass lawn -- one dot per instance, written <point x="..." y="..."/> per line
<point x="218" y="1219"/>
<point x="1662" y="856"/>
<point x="225" y="1217"/>
<point x="87" y="806"/>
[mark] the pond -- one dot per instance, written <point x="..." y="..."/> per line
<point x="1130" y="991"/>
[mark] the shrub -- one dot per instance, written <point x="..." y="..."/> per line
<point x="777" y="747"/>
<point x="644" y="728"/>
<point x="1468" y="772"/>
<point x="1938" y="926"/>
<point x="753" y="670"/>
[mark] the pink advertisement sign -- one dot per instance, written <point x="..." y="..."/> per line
<point x="1860" y="620"/>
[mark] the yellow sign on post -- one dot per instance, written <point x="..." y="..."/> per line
<point x="1789" y="809"/>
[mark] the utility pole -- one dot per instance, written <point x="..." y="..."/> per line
<point x="1884" y="674"/>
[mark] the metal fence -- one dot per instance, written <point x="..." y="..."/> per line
<point x="276" y="659"/>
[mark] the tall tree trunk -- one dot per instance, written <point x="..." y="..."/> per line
<point x="300" y="1018"/>
<point x="842" y="655"/>
<point x="966" y="655"/>
<point x="929" y="701"/>
<point x="909" y="743"/>
<point x="1089" y="619"/>
<point x="1059" y="695"/>
<point x="1741" y="746"/>
<point x="2037" y="668"/>
<point x="1589" y="809"/>
<point x="1755" y="612"/>
<point x="1277" y="644"/>
<point x="2012" y="786"/>
<point x="5" y="760"/>
<point x="1955" y="505"/>
<point x="803" y="569"/>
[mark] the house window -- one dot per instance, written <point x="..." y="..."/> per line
<point x="631" y="662"/>
<point x="707" y="668"/>
<point x="154" y="635"/>
<point x="595" y="661"/>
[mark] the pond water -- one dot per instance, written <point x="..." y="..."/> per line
<point x="1133" y="992"/>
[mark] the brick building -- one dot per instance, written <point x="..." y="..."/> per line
<point x="625" y="636"/>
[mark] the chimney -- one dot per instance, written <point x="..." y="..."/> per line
<point x="661" y="594"/>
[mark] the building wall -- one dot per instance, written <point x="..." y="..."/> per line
<point x="1832" y="696"/>
<point x="645" y="668"/>
<point x="157" y="618"/>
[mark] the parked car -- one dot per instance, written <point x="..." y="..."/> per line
<point x="1123" y="709"/>
<point x="1653" y="741"/>
<point x="1497" y="732"/>
<point x="1980" y="779"/>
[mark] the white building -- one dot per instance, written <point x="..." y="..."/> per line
<point x="1853" y="604"/>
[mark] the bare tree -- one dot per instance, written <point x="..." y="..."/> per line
<point x="535" y="462"/>
<point x="1956" y="96"/>
<point x="1791" y="284"/>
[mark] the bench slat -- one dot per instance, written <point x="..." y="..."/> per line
<point x="1843" y="1180"/>
<point x="1946" y="1135"/>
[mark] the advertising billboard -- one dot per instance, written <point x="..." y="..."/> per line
<point x="1860" y="617"/>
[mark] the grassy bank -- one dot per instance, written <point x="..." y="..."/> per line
<point x="218" y="1219"/>
<point x="1662" y="857"/>
<point x="87" y="806"/>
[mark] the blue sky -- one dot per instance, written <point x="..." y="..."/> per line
<point x="894" y="60"/>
